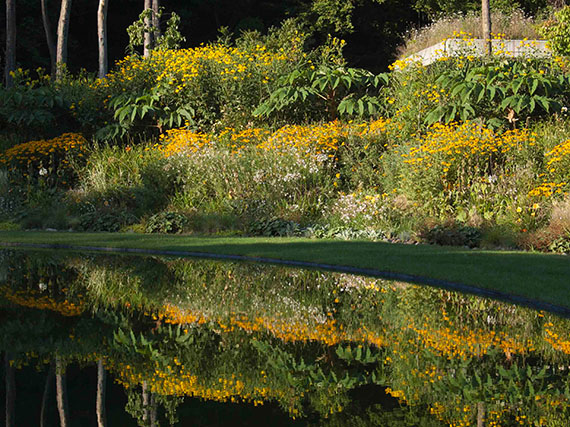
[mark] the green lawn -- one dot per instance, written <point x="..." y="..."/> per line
<point x="543" y="277"/>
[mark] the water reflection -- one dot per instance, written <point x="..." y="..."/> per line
<point x="326" y="348"/>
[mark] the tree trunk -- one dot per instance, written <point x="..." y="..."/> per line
<point x="62" y="36"/>
<point x="145" y="402"/>
<point x="10" y="65"/>
<point x="155" y="20"/>
<point x="153" y="410"/>
<point x="480" y="414"/>
<point x="147" y="34"/>
<point x="49" y="37"/>
<point x="45" y="397"/>
<point x="102" y="37"/>
<point x="486" y="23"/>
<point x="61" y="387"/>
<point x="10" y="391"/>
<point x="101" y="386"/>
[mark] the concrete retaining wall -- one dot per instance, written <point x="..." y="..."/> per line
<point x="476" y="47"/>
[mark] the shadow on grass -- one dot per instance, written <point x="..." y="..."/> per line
<point x="498" y="274"/>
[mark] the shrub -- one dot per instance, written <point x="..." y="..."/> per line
<point x="48" y="160"/>
<point x="204" y="85"/>
<point x="555" y="180"/>
<point x="43" y="107"/>
<point x="453" y="235"/>
<point x="555" y="237"/>
<point x="454" y="167"/>
<point x="166" y="222"/>
<point x="522" y="89"/>
<point x="274" y="227"/>
<point x="105" y="221"/>
<point x="557" y="31"/>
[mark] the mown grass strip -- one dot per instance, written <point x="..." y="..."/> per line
<point x="541" y="277"/>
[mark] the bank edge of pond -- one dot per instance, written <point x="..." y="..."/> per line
<point x="370" y="272"/>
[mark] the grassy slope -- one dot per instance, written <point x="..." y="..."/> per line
<point x="543" y="277"/>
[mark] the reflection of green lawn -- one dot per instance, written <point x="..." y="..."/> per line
<point x="543" y="277"/>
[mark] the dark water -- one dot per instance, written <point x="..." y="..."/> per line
<point x="206" y="343"/>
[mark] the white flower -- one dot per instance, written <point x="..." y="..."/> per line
<point x="43" y="171"/>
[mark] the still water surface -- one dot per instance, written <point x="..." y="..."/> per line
<point x="160" y="341"/>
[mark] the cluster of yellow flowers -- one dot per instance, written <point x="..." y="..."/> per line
<point x="547" y="189"/>
<point x="467" y="144"/>
<point x="315" y="139"/>
<point x="34" y="299"/>
<point x="558" y="342"/>
<point x="432" y="93"/>
<point x="34" y="153"/>
<point x="182" y="141"/>
<point x="557" y="172"/>
<point x="559" y="156"/>
<point x="180" y="68"/>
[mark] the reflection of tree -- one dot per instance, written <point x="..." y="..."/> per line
<point x="101" y="388"/>
<point x="61" y="392"/>
<point x="45" y="396"/>
<point x="10" y="390"/>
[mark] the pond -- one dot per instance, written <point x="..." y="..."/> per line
<point x="133" y="340"/>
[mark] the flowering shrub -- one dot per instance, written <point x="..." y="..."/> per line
<point x="202" y="85"/>
<point x="558" y="162"/>
<point x="46" y="159"/>
<point x="558" y="31"/>
<point x="459" y="165"/>
<point x="557" y="175"/>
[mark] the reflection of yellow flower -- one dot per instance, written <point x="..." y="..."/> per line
<point x="34" y="299"/>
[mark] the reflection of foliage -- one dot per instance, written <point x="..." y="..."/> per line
<point x="307" y="340"/>
<point x="141" y="410"/>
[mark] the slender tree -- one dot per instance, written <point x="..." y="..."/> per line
<point x="148" y="44"/>
<point x="101" y="386"/>
<point x="156" y="20"/>
<point x="145" y="402"/>
<point x="10" y="391"/>
<point x="102" y="37"/>
<point x="61" y="391"/>
<point x="62" y="36"/>
<point x="480" y="414"/>
<point x="153" y="410"/>
<point x="10" y="65"/>
<point x="486" y="23"/>
<point x="49" y="36"/>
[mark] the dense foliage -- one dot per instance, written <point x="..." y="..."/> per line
<point x="264" y="135"/>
